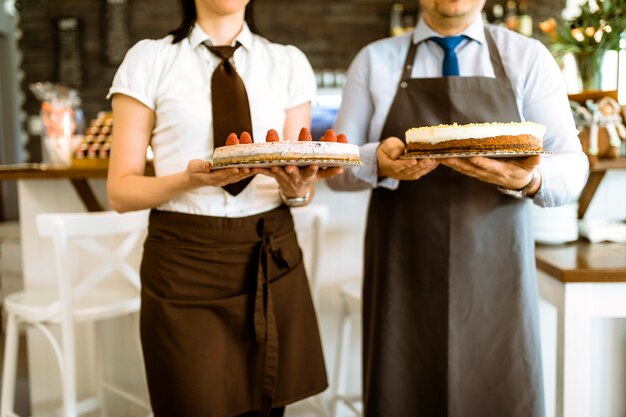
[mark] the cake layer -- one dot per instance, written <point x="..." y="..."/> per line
<point x="519" y="143"/>
<point x="286" y="151"/>
<point x="475" y="131"/>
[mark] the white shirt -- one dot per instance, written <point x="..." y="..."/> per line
<point x="536" y="80"/>
<point x="174" y="81"/>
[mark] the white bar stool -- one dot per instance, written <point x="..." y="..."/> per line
<point x="350" y="320"/>
<point x="109" y="290"/>
<point x="310" y="226"/>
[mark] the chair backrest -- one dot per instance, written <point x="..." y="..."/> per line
<point x="310" y="224"/>
<point x="102" y="240"/>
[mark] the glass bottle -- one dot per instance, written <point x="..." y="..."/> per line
<point x="409" y="23"/>
<point x="525" y="20"/>
<point x="396" y="20"/>
<point x="510" y="16"/>
<point x="498" y="14"/>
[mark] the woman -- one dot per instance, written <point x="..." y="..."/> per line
<point x="227" y="323"/>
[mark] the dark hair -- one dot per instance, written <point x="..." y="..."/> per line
<point x="188" y="9"/>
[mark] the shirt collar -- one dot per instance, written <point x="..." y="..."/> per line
<point x="475" y="31"/>
<point x="198" y="36"/>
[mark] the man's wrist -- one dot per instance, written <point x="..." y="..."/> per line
<point x="528" y="190"/>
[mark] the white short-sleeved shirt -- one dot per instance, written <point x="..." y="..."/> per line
<point x="174" y="81"/>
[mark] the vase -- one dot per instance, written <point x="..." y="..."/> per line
<point x="590" y="69"/>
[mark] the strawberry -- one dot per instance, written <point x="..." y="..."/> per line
<point x="329" y="136"/>
<point x="342" y="138"/>
<point x="245" y="138"/>
<point x="272" y="136"/>
<point x="232" y="140"/>
<point x="305" y="134"/>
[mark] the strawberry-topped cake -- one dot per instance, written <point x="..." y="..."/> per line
<point x="331" y="149"/>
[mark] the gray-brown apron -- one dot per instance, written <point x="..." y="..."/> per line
<point x="227" y="321"/>
<point x="450" y="298"/>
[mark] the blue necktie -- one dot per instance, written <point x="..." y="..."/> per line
<point x="450" y="61"/>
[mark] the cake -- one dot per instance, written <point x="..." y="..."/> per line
<point x="490" y="138"/>
<point x="331" y="149"/>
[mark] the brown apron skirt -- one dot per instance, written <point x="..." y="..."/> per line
<point x="227" y="321"/>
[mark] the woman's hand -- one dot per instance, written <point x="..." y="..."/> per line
<point x="200" y="174"/>
<point x="508" y="173"/>
<point x="297" y="182"/>
<point x="402" y="169"/>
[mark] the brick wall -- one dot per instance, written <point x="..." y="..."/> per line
<point x="330" y="32"/>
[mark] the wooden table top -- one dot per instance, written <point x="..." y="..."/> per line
<point x="78" y="176"/>
<point x="42" y="171"/>
<point x="582" y="261"/>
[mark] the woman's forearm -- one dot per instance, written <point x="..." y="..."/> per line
<point x="137" y="192"/>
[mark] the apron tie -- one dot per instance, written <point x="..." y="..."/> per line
<point x="264" y="319"/>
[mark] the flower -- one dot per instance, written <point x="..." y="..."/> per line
<point x="596" y="29"/>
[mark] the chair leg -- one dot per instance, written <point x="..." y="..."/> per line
<point x="9" y="374"/>
<point x="98" y="367"/>
<point x="137" y="338"/>
<point x="68" y="371"/>
<point x="343" y="340"/>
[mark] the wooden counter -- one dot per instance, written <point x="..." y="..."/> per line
<point x="42" y="171"/>
<point x="582" y="261"/>
<point x="77" y="176"/>
<point x="581" y="282"/>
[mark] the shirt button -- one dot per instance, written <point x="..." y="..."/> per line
<point x="403" y="84"/>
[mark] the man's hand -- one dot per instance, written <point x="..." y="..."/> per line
<point x="402" y="169"/>
<point x="508" y="173"/>
<point x="200" y="174"/>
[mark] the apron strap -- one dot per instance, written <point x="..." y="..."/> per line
<point x="494" y="55"/>
<point x="408" y="62"/>
<point x="264" y="319"/>
<point x="496" y="61"/>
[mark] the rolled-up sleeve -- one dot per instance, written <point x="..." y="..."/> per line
<point x="353" y="119"/>
<point x="136" y="76"/>
<point x="301" y="85"/>
<point x="565" y="171"/>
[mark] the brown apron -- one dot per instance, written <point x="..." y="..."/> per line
<point x="450" y="299"/>
<point x="227" y="321"/>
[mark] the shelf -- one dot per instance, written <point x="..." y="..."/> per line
<point x="592" y="95"/>
<point x="596" y="174"/>
<point x="598" y="169"/>
<point x="606" y="164"/>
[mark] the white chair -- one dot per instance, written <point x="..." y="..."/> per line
<point x="108" y="290"/>
<point x="349" y="324"/>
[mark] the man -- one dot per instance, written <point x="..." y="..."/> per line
<point x="450" y="299"/>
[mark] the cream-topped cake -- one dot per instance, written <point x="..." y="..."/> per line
<point x="330" y="149"/>
<point x="476" y="138"/>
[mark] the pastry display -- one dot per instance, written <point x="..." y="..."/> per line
<point x="94" y="149"/>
